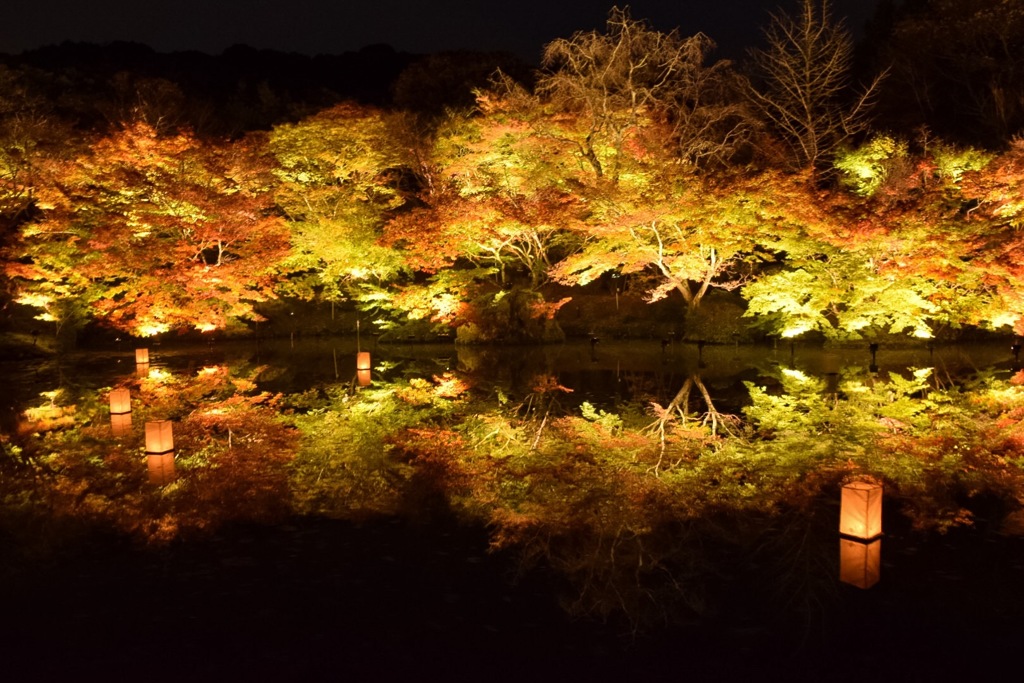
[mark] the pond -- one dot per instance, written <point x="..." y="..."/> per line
<point x="602" y="510"/>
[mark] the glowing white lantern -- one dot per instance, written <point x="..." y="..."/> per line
<point x="121" y="424"/>
<point x="860" y="514"/>
<point x="159" y="437"/>
<point x="161" y="468"/>
<point x="860" y="563"/>
<point x="141" y="355"/>
<point x="120" y="401"/>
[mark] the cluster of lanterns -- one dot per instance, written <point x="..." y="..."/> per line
<point x="160" y="433"/>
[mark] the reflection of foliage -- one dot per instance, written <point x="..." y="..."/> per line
<point x="346" y="465"/>
<point x="231" y="447"/>
<point x="633" y="516"/>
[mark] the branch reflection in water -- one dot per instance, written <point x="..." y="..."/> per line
<point x="645" y="483"/>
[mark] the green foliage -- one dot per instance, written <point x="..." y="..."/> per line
<point x="952" y="162"/>
<point x="866" y="168"/>
<point x="346" y="464"/>
<point x="609" y="421"/>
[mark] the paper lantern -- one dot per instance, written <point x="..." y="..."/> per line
<point x="141" y="355"/>
<point x="120" y="401"/>
<point x="142" y="370"/>
<point x="363" y="360"/>
<point x="159" y="437"/>
<point x="121" y="424"/>
<point x="161" y="468"/>
<point x="363" y="377"/>
<point x="860" y="514"/>
<point x="860" y="562"/>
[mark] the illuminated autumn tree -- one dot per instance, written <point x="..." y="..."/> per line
<point x="897" y="255"/>
<point x="154" y="233"/>
<point x="686" y="235"/>
<point x="339" y="178"/>
<point x="631" y="78"/>
<point x="995" y="218"/>
<point x="805" y="82"/>
<point x="497" y="219"/>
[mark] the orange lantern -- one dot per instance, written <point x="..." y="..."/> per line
<point x="860" y="514"/>
<point x="142" y="370"/>
<point x="363" y="377"/>
<point x="141" y="355"/>
<point x="120" y="401"/>
<point x="363" y="360"/>
<point x="860" y="563"/>
<point x="121" y="424"/>
<point x="159" y="437"/>
<point x="161" y="468"/>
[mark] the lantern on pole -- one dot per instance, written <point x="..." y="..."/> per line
<point x="120" y="401"/>
<point x="121" y="424"/>
<point x="860" y="513"/>
<point x="159" y="437"/>
<point x="161" y="468"/>
<point x="860" y="563"/>
<point x="141" y="356"/>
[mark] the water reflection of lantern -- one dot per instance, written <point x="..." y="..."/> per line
<point x="159" y="437"/>
<point x="860" y="514"/>
<point x="121" y="423"/>
<point x="142" y="370"/>
<point x="120" y="401"/>
<point x="141" y="355"/>
<point x="363" y="377"/>
<point x="860" y="563"/>
<point x="161" y="468"/>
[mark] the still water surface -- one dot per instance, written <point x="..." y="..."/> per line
<point x="420" y="594"/>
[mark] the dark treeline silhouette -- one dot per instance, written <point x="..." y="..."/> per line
<point x="243" y="88"/>
<point x="954" y="68"/>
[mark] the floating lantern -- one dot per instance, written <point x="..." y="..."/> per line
<point x="860" y="514"/>
<point x="121" y="424"/>
<point x="141" y="355"/>
<point x="860" y="563"/>
<point x="363" y="377"/>
<point x="363" y="360"/>
<point x="120" y="401"/>
<point x="161" y="468"/>
<point x="159" y="437"/>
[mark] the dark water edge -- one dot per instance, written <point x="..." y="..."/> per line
<point x="393" y="599"/>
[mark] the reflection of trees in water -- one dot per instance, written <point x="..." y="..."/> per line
<point x="646" y="514"/>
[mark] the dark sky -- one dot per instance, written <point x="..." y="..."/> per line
<point x="334" y="26"/>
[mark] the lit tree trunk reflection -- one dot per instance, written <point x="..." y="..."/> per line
<point x="678" y="409"/>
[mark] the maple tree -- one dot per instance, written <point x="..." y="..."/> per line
<point x="338" y="179"/>
<point x="150" y="233"/>
<point x="496" y="218"/>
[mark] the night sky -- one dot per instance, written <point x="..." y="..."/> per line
<point x="335" y="26"/>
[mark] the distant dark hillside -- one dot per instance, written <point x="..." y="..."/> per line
<point x="243" y="88"/>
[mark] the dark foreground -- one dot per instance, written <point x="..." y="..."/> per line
<point x="394" y="600"/>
